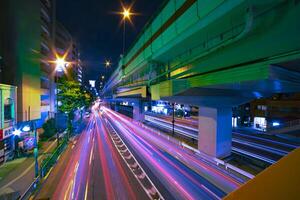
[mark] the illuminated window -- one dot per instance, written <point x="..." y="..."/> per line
<point x="7" y="112"/>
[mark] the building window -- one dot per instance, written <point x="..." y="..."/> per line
<point x="262" y="107"/>
<point x="8" y="112"/>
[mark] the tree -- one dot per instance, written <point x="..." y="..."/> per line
<point x="71" y="97"/>
<point x="49" y="128"/>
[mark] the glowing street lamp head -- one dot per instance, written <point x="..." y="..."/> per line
<point x="60" y="60"/>
<point x="60" y="64"/>
<point x="126" y="13"/>
<point x="107" y="63"/>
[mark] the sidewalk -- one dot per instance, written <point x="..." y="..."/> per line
<point x="19" y="174"/>
<point x="6" y="168"/>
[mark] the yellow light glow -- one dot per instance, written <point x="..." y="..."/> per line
<point x="60" y="60"/>
<point x="126" y="13"/>
<point x="60" y="64"/>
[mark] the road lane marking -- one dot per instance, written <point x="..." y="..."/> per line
<point x="91" y="155"/>
<point x="86" y="190"/>
<point x="68" y="189"/>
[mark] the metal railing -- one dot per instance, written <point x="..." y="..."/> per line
<point x="51" y="160"/>
<point x="46" y="165"/>
<point x="228" y="167"/>
<point x="30" y="190"/>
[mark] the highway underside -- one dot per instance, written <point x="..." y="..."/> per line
<point x="116" y="158"/>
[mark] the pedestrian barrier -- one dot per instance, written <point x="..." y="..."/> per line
<point x="30" y="189"/>
<point x="46" y="165"/>
<point x="51" y="160"/>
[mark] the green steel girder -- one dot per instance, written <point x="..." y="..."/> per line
<point x="211" y="36"/>
<point x="176" y="86"/>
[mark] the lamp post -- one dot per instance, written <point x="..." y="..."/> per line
<point x="126" y="16"/>
<point x="107" y="65"/>
<point x="60" y="67"/>
<point x="35" y="150"/>
<point x="56" y="113"/>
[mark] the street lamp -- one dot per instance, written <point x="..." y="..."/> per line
<point x="126" y="13"/>
<point x="60" y="67"/>
<point x="60" y="64"/>
<point x="126" y="16"/>
<point x="107" y="63"/>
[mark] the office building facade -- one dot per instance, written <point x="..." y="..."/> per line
<point x="20" y="52"/>
<point x="47" y="79"/>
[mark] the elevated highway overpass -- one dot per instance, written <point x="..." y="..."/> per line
<point x="214" y="54"/>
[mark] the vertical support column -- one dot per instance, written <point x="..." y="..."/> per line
<point x="138" y="114"/>
<point x="215" y="131"/>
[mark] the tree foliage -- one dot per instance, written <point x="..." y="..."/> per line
<point x="49" y="128"/>
<point x="72" y="96"/>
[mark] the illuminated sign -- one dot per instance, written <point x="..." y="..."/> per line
<point x="5" y="133"/>
<point x="92" y="83"/>
<point x="124" y="103"/>
<point x="29" y="143"/>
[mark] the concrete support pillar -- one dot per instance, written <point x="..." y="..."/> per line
<point x="215" y="131"/>
<point x="138" y="113"/>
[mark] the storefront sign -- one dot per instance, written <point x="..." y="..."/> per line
<point x="29" y="143"/>
<point x="7" y="132"/>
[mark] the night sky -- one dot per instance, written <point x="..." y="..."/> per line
<point x="97" y="30"/>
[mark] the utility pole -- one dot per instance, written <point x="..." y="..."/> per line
<point x="35" y="150"/>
